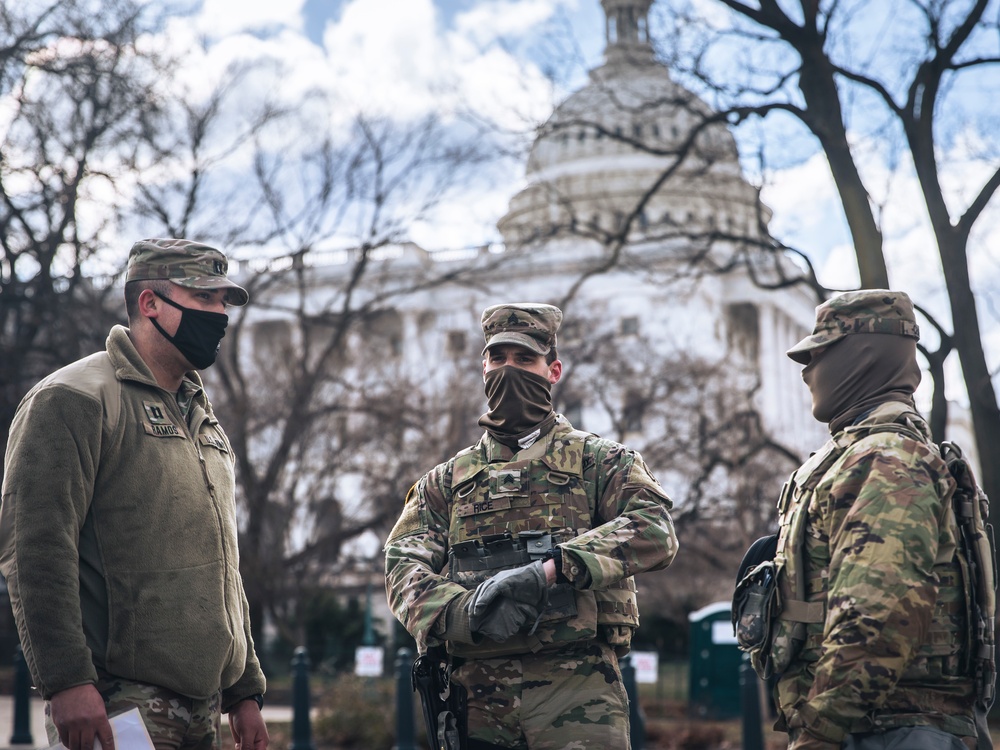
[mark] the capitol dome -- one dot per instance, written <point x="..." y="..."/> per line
<point x="632" y="146"/>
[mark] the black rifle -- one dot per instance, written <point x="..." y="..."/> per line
<point x="443" y="701"/>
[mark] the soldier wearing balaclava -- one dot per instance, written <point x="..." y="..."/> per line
<point x="512" y="563"/>
<point x="872" y="648"/>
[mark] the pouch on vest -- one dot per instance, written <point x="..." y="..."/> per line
<point x="976" y="539"/>
<point x="755" y="600"/>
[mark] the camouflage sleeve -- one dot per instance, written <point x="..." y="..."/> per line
<point x="882" y="514"/>
<point x="415" y="554"/>
<point x="634" y="532"/>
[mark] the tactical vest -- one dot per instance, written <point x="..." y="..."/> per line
<point x="506" y="513"/>
<point x="946" y="652"/>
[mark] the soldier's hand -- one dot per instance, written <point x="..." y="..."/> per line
<point x="509" y="596"/>
<point x="247" y="726"/>
<point x="79" y="715"/>
<point x="502" y="620"/>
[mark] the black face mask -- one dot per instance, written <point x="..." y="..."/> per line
<point x="199" y="334"/>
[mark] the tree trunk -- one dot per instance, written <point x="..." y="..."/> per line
<point x="825" y="118"/>
<point x="969" y="343"/>
<point x="939" y="402"/>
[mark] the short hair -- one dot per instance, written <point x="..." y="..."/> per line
<point x="134" y="288"/>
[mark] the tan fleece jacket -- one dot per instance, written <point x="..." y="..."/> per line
<point x="118" y="534"/>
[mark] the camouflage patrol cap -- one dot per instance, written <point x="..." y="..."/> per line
<point x="866" y="311"/>
<point x="529" y="324"/>
<point x="183" y="262"/>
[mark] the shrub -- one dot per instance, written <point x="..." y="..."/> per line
<point x="356" y="712"/>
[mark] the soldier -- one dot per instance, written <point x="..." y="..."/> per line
<point x="873" y="647"/>
<point x="118" y="523"/>
<point x="542" y="528"/>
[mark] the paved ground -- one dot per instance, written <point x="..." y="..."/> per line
<point x="39" y="740"/>
<point x="7" y="722"/>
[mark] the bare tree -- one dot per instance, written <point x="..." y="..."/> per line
<point x="80" y="93"/>
<point x="906" y="96"/>
<point x="695" y="422"/>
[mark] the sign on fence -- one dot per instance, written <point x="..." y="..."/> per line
<point x="647" y="666"/>
<point x="368" y="661"/>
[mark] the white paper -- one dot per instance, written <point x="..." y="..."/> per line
<point x="129" y="731"/>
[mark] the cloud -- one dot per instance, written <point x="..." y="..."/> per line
<point x="220" y="18"/>
<point x="807" y="213"/>
<point x="385" y="55"/>
<point x="489" y="22"/>
<point x="399" y="59"/>
<point x="468" y="220"/>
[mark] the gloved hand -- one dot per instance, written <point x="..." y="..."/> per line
<point x="504" y="603"/>
<point x="503" y="619"/>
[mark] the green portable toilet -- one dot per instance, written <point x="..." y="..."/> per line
<point x="714" y="682"/>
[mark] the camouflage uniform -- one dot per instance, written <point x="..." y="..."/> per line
<point x="560" y="686"/>
<point x="174" y="721"/>
<point x="881" y="640"/>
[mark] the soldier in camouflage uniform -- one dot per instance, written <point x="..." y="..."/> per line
<point x="872" y="648"/>
<point x="118" y="523"/>
<point x="535" y="644"/>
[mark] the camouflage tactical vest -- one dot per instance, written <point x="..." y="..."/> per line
<point x="540" y="497"/>
<point x="798" y="631"/>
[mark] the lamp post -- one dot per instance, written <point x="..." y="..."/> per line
<point x="368" y="638"/>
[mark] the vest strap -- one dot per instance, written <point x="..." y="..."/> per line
<point x="800" y="611"/>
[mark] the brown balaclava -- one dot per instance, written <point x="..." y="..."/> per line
<point x="857" y="373"/>
<point x="861" y="353"/>
<point x="520" y="402"/>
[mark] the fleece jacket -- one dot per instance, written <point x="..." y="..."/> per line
<point x="118" y="534"/>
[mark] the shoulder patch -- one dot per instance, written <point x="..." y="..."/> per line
<point x="409" y="520"/>
<point x="639" y="476"/>
<point x="215" y="441"/>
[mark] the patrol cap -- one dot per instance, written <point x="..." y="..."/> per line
<point x="183" y="262"/>
<point x="532" y="325"/>
<point x="866" y="311"/>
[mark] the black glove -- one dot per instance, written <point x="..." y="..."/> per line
<point x="502" y="619"/>
<point x="502" y="605"/>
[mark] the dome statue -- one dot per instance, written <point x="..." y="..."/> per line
<point x="631" y="144"/>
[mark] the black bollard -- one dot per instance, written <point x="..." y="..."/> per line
<point x="404" y="701"/>
<point x="22" y="701"/>
<point x="753" y="733"/>
<point x="636" y="718"/>
<point x="301" y="726"/>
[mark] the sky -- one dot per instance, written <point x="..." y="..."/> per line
<point x="407" y="58"/>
